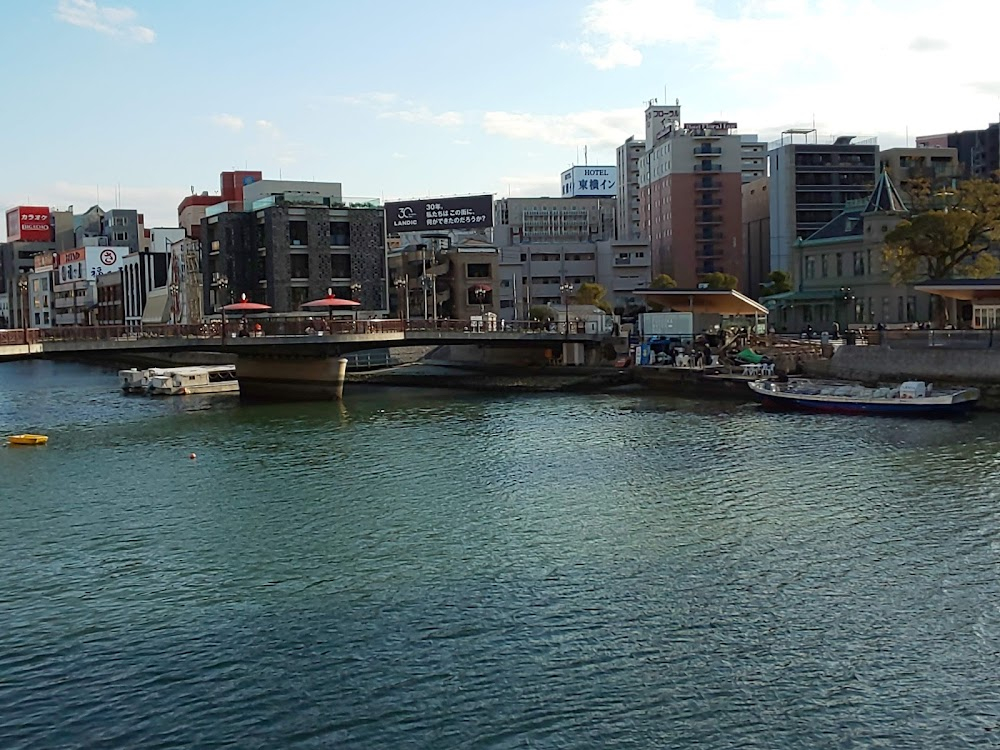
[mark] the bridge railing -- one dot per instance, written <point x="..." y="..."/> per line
<point x="18" y="336"/>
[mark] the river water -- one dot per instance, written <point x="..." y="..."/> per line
<point x="432" y="570"/>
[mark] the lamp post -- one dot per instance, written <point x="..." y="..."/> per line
<point x="22" y="288"/>
<point x="356" y="296"/>
<point x="174" y="291"/>
<point x="566" y="290"/>
<point x="221" y="287"/>
<point x="404" y="299"/>
<point x="481" y="299"/>
<point x="427" y="282"/>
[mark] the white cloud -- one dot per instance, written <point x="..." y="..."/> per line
<point x="104" y="19"/>
<point x="866" y="65"/>
<point x="369" y="98"/>
<point x="229" y="122"/>
<point x="424" y="115"/>
<point x="530" y="185"/>
<point x="397" y="155"/>
<point x="268" y="127"/>
<point x="461" y="142"/>
<point x="595" y="128"/>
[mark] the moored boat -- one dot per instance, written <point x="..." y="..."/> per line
<point x="134" y="380"/>
<point x="181" y="381"/>
<point x="912" y="398"/>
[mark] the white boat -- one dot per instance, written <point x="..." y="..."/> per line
<point x="912" y="398"/>
<point x="134" y="380"/>
<point x="182" y="381"/>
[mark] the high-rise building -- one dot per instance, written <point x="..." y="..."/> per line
<point x="931" y="169"/>
<point x="548" y="243"/>
<point x="978" y="150"/>
<point x="756" y="219"/>
<point x="286" y="243"/>
<point x="628" y="225"/>
<point x="689" y="178"/>
<point x="810" y="183"/>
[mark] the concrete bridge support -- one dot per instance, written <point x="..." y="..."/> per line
<point x="302" y="379"/>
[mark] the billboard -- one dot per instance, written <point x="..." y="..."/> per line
<point x="29" y="224"/>
<point x="590" y="182"/>
<point x="439" y="214"/>
<point x="88" y="263"/>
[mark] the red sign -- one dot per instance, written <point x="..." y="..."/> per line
<point x="29" y="224"/>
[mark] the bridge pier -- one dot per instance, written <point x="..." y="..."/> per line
<point x="304" y="379"/>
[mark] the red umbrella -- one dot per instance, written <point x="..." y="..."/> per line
<point x="330" y="301"/>
<point x="245" y="306"/>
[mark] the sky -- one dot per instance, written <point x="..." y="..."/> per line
<point x="136" y="104"/>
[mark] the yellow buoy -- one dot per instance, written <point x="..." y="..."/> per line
<point x="28" y="439"/>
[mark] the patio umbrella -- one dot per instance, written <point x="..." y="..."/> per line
<point x="330" y="302"/>
<point x="243" y="306"/>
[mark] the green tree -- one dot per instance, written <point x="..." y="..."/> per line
<point x="946" y="234"/>
<point x="949" y="234"/>
<point x="541" y="313"/>
<point x="778" y="282"/>
<point x="663" y="281"/>
<point x="718" y="280"/>
<point x="590" y="293"/>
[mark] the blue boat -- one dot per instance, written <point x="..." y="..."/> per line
<point x="912" y="398"/>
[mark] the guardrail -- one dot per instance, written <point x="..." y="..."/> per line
<point x="258" y="326"/>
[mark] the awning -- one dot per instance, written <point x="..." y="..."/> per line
<point x="157" y="308"/>
<point x="964" y="289"/>
<point x="717" y="301"/>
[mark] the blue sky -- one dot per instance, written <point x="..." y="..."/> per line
<point x="399" y="99"/>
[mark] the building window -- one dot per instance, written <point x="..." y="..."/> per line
<point x="121" y="236"/>
<point x="120" y="221"/>
<point x="340" y="265"/>
<point x="298" y="233"/>
<point x="869" y="254"/>
<point x="300" y="265"/>
<point x="840" y="264"/>
<point x="477" y="271"/>
<point x="911" y="309"/>
<point x="859" y="264"/>
<point x="810" y="268"/>
<point x="340" y="233"/>
<point x="824" y="266"/>
<point x="900" y="310"/>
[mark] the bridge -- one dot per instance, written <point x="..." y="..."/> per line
<point x="280" y="360"/>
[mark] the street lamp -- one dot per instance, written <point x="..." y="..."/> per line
<point x="481" y="299"/>
<point x="427" y="282"/>
<point x="356" y="291"/>
<point x="404" y="301"/>
<point x="174" y="291"/>
<point x="22" y="288"/>
<point x="221" y="287"/>
<point x="566" y="290"/>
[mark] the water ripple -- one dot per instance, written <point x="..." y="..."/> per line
<point x="417" y="569"/>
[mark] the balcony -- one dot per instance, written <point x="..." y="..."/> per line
<point x="710" y="237"/>
<point x="712" y="185"/>
<point x="710" y="219"/>
<point x="708" y="202"/>
<point x="708" y="151"/>
<point x="708" y="168"/>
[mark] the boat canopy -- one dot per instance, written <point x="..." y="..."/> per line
<point x="717" y="301"/>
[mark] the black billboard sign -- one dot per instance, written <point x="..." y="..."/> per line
<point x="438" y="214"/>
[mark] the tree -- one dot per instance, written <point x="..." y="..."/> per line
<point x="949" y="235"/>
<point x="663" y="281"/>
<point x="718" y="280"/>
<point x="778" y="282"/>
<point x="590" y="293"/>
<point x="541" y="313"/>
